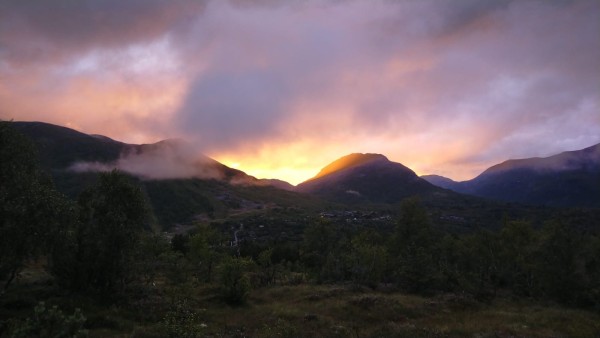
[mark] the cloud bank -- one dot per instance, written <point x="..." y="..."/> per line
<point x="169" y="159"/>
<point x="280" y="89"/>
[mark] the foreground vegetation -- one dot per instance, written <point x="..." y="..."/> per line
<point x="304" y="310"/>
<point x="95" y="267"/>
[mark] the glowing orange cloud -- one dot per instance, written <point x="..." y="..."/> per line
<point x="126" y="99"/>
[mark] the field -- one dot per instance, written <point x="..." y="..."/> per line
<point x="303" y="310"/>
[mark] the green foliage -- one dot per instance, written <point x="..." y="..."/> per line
<point x="176" y="201"/>
<point x="591" y="254"/>
<point x="205" y="251"/>
<point x="478" y="263"/>
<point x="233" y="279"/>
<point x="175" y="267"/>
<point x="268" y="270"/>
<point x="369" y="258"/>
<point x="97" y="253"/>
<point x="182" y="321"/>
<point x="553" y="263"/>
<point x="412" y="249"/>
<point x="560" y="266"/>
<point x="51" y="323"/>
<point x="320" y="239"/>
<point x="181" y="243"/>
<point x="517" y="257"/>
<point x="31" y="210"/>
<point x="149" y="255"/>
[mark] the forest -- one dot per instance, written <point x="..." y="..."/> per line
<point x="97" y="266"/>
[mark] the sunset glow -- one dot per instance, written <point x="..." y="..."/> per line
<point x="280" y="89"/>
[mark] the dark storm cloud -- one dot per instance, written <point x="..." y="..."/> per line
<point x="40" y="30"/>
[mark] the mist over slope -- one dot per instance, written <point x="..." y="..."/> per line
<point x="180" y="183"/>
<point x="65" y="149"/>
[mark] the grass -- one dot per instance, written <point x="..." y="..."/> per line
<point x="307" y="311"/>
<point x="323" y="311"/>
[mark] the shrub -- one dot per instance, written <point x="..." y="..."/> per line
<point x="233" y="279"/>
<point x="182" y="321"/>
<point x="51" y="323"/>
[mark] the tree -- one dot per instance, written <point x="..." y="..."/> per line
<point x="98" y="251"/>
<point x="559" y="263"/>
<point x="368" y="258"/>
<point x="31" y="210"/>
<point x="412" y="249"/>
<point x="319" y="241"/>
<point x="478" y="263"/>
<point x="267" y="270"/>
<point x="518" y="241"/>
<point x="204" y="252"/>
<point x="233" y="279"/>
<point x="152" y="256"/>
<point x="591" y="256"/>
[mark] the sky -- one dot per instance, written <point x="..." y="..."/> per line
<point x="280" y="89"/>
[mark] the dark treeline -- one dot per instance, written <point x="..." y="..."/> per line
<point x="552" y="263"/>
<point x="101" y="245"/>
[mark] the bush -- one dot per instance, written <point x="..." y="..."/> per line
<point x="51" y="323"/>
<point x="233" y="279"/>
<point x="182" y="321"/>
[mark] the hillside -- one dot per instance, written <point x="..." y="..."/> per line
<point x="358" y="178"/>
<point x="567" y="179"/>
<point x="440" y="181"/>
<point x="180" y="185"/>
<point x="60" y="147"/>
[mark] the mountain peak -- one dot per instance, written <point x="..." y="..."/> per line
<point x="366" y="177"/>
<point x="349" y="161"/>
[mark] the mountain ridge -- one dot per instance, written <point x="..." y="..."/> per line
<point x="349" y="161"/>
<point x="370" y="178"/>
<point x="62" y="147"/>
<point x="570" y="178"/>
<point x="562" y="161"/>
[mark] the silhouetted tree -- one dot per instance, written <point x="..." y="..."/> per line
<point x="479" y="263"/>
<point x="560" y="266"/>
<point x="411" y="249"/>
<point x="31" y="210"/>
<point x="518" y="242"/>
<point x="98" y="252"/>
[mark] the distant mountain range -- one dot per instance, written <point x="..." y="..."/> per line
<point x="182" y="185"/>
<point x="570" y="179"/>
